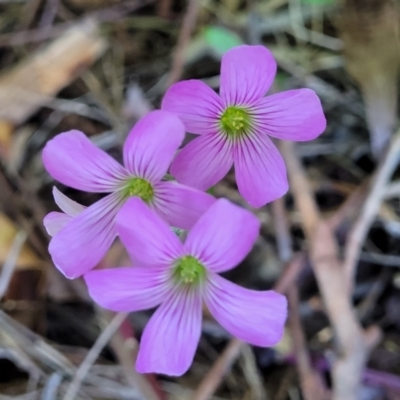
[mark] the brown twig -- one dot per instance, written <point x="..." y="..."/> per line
<point x="215" y="375"/>
<point x="281" y="225"/>
<point x="178" y="60"/>
<point x="123" y="343"/>
<point x="38" y="35"/>
<point x="125" y="349"/>
<point x="11" y="199"/>
<point x="350" y="209"/>
<point x="11" y="261"/>
<point x="370" y="209"/>
<point x="213" y="378"/>
<point x="164" y="8"/>
<point x="49" y="13"/>
<point x="252" y="373"/>
<point x="352" y="344"/>
<point x="93" y="354"/>
<point x="311" y="383"/>
<point x="34" y="345"/>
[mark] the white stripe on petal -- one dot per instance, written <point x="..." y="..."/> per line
<point x="70" y="207"/>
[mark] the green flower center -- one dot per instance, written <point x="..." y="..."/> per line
<point x="189" y="270"/>
<point x="235" y="121"/>
<point x="140" y="188"/>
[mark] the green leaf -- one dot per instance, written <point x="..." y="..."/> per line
<point x="221" y="39"/>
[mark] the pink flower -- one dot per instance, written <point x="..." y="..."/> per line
<point x="235" y="126"/>
<point x="82" y="236"/>
<point x="180" y="276"/>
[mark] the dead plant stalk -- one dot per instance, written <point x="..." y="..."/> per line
<point x="352" y="344"/>
<point x="370" y="209"/>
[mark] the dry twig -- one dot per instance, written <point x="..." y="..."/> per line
<point x="125" y="350"/>
<point x="178" y="60"/>
<point x="311" y="383"/>
<point x="37" y="35"/>
<point x="93" y="354"/>
<point x="33" y="83"/>
<point x="370" y="209"/>
<point x="252" y="373"/>
<point x="34" y="345"/>
<point x="11" y="261"/>
<point x="352" y="344"/>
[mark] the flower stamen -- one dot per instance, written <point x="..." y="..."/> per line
<point x="235" y="122"/>
<point x="189" y="270"/>
<point x="139" y="187"/>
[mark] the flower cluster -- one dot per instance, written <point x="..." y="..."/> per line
<point x="141" y="206"/>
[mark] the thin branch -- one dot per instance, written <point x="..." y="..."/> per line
<point x="392" y="190"/>
<point x="311" y="383"/>
<point x="213" y="378"/>
<point x="281" y="225"/>
<point x="370" y="209"/>
<point x="93" y="354"/>
<point x="352" y="343"/>
<point x="350" y="209"/>
<point x="125" y="349"/>
<point x="252" y="373"/>
<point x="37" y="35"/>
<point x="189" y="21"/>
<point x="49" y="13"/>
<point x="11" y="261"/>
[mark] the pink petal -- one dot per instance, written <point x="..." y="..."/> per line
<point x="181" y="206"/>
<point x="170" y="339"/>
<point x="260" y="170"/>
<point x="223" y="236"/>
<point x="252" y="316"/>
<point x="75" y="161"/>
<point x="196" y="104"/>
<point x="84" y="241"/>
<point x="151" y="145"/>
<point x="247" y="72"/>
<point x="203" y="162"/>
<point x="293" y="115"/>
<point x="70" y="207"/>
<point x="55" y="221"/>
<point x="146" y="236"/>
<point x="127" y="289"/>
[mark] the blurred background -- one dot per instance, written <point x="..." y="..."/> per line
<point x="331" y="244"/>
